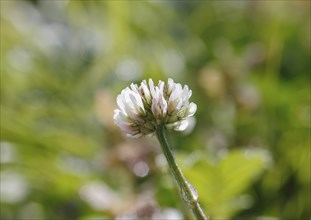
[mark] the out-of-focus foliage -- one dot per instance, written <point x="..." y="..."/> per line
<point x="64" y="62"/>
<point x="219" y="183"/>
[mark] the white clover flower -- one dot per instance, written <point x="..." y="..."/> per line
<point x="143" y="108"/>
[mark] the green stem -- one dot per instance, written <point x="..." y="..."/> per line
<point x="189" y="194"/>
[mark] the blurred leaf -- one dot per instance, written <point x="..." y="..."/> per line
<point x="221" y="183"/>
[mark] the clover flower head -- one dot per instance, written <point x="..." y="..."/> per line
<point x="142" y="108"/>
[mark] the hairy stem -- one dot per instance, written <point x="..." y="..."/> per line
<point x="189" y="193"/>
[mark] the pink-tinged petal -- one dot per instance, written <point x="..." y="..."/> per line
<point x="126" y="128"/>
<point x="145" y="91"/>
<point x="137" y="101"/>
<point x="151" y="88"/>
<point x="132" y="105"/>
<point x="134" y="116"/>
<point x="154" y="107"/>
<point x="159" y="105"/>
<point x="161" y="86"/>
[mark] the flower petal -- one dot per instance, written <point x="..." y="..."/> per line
<point x="151" y="88"/>
<point x="159" y="105"/>
<point x="191" y="109"/>
<point x="141" y="108"/>
<point x="145" y="91"/>
<point x="182" y="125"/>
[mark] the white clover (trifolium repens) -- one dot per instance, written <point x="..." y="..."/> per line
<point x="148" y="109"/>
<point x="142" y="108"/>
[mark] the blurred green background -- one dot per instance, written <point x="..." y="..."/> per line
<point x="64" y="62"/>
